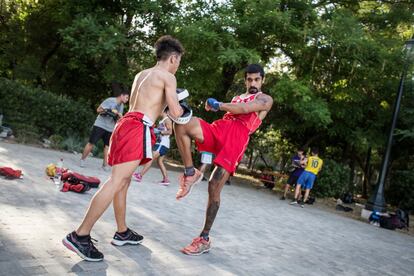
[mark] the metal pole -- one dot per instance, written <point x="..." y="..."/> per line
<point x="377" y="201"/>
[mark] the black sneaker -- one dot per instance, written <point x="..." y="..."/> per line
<point x="128" y="237"/>
<point x="83" y="247"/>
<point x="302" y="204"/>
<point x="282" y="198"/>
<point x="204" y="178"/>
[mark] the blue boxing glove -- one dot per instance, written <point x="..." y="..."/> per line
<point x="213" y="104"/>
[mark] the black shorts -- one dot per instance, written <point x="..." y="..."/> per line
<point x="100" y="133"/>
<point x="293" y="179"/>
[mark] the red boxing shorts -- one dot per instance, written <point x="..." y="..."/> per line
<point x="227" y="140"/>
<point x="132" y="139"/>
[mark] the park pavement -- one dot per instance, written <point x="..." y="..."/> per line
<point x="254" y="233"/>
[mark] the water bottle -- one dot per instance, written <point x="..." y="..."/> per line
<point x="58" y="174"/>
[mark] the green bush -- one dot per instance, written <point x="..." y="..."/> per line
<point x="98" y="149"/>
<point x="73" y="144"/>
<point x="333" y="180"/>
<point x="26" y="133"/>
<point x="400" y="192"/>
<point x="56" y="141"/>
<point x="44" y="111"/>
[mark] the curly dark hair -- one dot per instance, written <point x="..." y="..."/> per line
<point x="167" y="46"/>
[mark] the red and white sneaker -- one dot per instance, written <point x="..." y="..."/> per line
<point x="197" y="247"/>
<point x="187" y="183"/>
<point x="164" y="182"/>
<point x="137" y="177"/>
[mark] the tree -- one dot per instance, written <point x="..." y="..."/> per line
<point x="332" y="66"/>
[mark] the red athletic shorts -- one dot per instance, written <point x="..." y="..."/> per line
<point x="132" y="139"/>
<point x="227" y="140"/>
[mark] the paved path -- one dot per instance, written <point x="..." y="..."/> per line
<point x="254" y="233"/>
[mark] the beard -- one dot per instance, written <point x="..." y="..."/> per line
<point x="253" y="90"/>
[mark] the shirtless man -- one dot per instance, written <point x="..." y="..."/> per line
<point x="227" y="139"/>
<point x="131" y="146"/>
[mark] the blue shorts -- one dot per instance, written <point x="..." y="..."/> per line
<point x="306" y="180"/>
<point x="163" y="150"/>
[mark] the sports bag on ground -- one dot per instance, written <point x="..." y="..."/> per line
<point x="76" y="178"/>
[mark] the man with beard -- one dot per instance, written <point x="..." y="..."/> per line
<point x="227" y="139"/>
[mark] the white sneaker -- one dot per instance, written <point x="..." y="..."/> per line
<point x="82" y="163"/>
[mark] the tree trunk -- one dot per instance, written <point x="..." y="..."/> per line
<point x="45" y="60"/>
<point x="249" y="166"/>
<point x="228" y="73"/>
<point x="264" y="160"/>
<point x="352" y="172"/>
<point x="367" y="175"/>
<point x="254" y="162"/>
<point x="345" y="150"/>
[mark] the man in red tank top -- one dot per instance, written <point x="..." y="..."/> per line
<point x="227" y="139"/>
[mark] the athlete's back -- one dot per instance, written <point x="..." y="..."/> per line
<point x="148" y="94"/>
<point x="314" y="164"/>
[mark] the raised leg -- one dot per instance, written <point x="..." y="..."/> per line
<point x="183" y="136"/>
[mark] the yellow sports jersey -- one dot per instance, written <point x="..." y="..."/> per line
<point x="314" y="164"/>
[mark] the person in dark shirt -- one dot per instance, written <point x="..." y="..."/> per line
<point x="298" y="165"/>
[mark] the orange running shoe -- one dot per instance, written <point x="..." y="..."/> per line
<point x="187" y="183"/>
<point x="197" y="247"/>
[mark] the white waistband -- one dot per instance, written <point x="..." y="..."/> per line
<point x="147" y="121"/>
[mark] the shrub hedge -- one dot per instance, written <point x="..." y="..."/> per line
<point x="42" y="112"/>
<point x="333" y="180"/>
<point x="400" y="192"/>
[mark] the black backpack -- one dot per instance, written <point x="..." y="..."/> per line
<point x="398" y="221"/>
<point x="388" y="222"/>
<point x="403" y="219"/>
<point x="347" y="198"/>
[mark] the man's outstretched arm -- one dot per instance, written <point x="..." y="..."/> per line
<point x="262" y="102"/>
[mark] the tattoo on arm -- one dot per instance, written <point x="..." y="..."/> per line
<point x="264" y="100"/>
